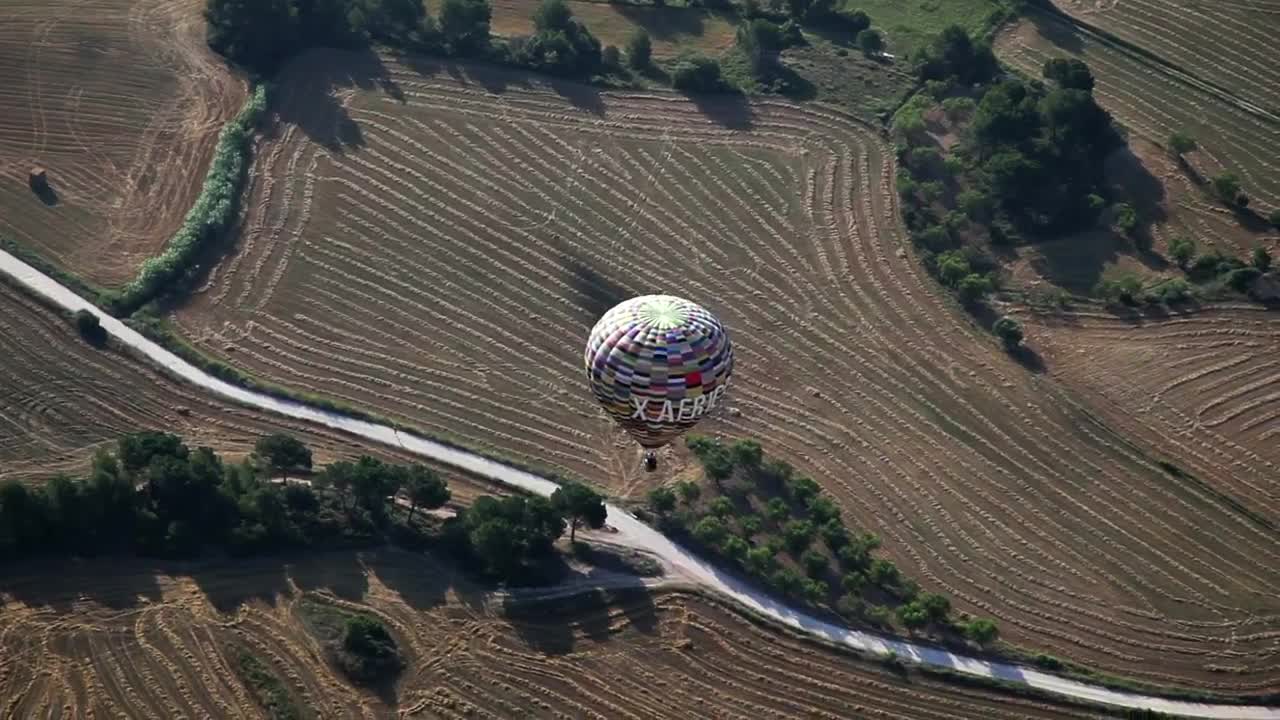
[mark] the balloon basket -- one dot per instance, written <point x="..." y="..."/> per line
<point x="650" y="461"/>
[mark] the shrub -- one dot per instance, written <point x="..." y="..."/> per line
<point x="736" y="549"/>
<point x="750" y="525"/>
<point x="1274" y="217"/>
<point x="697" y="73"/>
<point x="973" y="287"/>
<point x="798" y="535"/>
<point x="959" y="108"/>
<point x="721" y="507"/>
<point x="981" y="630"/>
<point x="814" y="562"/>
<point x="1180" y="143"/>
<point x="1126" y="218"/>
<point x="369" y="652"/>
<point x="1009" y="331"/>
<point x="662" y="500"/>
<point x="1172" y="291"/>
<point x="761" y="561"/>
<point x="884" y="573"/>
<point x="1227" y="187"/>
<point x="1182" y="249"/>
<point x="834" y="534"/>
<point x="90" y="328"/>
<point x="870" y="41"/>
<point x="777" y="510"/>
<point x="1125" y="289"/>
<point x="853" y="582"/>
<point x="1241" y="278"/>
<point x="1262" y="258"/>
<point x="710" y="531"/>
<point x="689" y="491"/>
<point x="639" y="49"/>
<point x="850" y="605"/>
<point x="822" y="510"/>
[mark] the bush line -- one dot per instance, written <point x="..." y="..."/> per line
<point x="211" y="215"/>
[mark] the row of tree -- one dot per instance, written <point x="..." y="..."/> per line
<point x="773" y="523"/>
<point x="156" y="496"/>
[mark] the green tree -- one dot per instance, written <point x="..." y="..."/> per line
<point x="90" y="328"/>
<point x="1126" y="218"/>
<point x="425" y="489"/>
<point x="1009" y="331"/>
<point x="580" y="504"/>
<point x="464" y="25"/>
<point x="282" y="454"/>
<point x="1181" y="143"/>
<point x="1227" y="187"/>
<point x="747" y="454"/>
<point x="1182" y="249"/>
<point x="884" y="573"/>
<point x="870" y="41"/>
<point x="937" y="606"/>
<point x="662" y="500"/>
<point x="973" y="287"/>
<point x="912" y="616"/>
<point x="639" y="49"/>
<point x="697" y="73"/>
<point x="1071" y="73"/>
<point x="710" y="531"/>
<point x="689" y="491"/>
<point x="814" y="562"/>
<point x="776" y="510"/>
<point x="982" y="631"/>
<point x="798" y="534"/>
<point x="823" y="510"/>
<point x="953" y="266"/>
<point x="255" y="34"/>
<point x="1261" y="259"/>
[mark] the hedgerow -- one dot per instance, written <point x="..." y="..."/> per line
<point x="212" y="214"/>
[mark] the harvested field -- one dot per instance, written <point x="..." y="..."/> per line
<point x="1153" y="103"/>
<point x="441" y="259"/>
<point x="149" y="644"/>
<point x="1203" y="387"/>
<point x="672" y="29"/>
<point x="60" y="400"/>
<point x="122" y="102"/>
<point x="1230" y="44"/>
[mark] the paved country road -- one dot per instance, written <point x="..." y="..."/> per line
<point x="631" y="532"/>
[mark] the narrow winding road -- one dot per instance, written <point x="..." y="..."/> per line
<point x="631" y="532"/>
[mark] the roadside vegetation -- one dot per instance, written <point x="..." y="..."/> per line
<point x="157" y="497"/>
<point x="761" y="517"/>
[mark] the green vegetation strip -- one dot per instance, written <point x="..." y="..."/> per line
<point x="213" y="212"/>
<point x="267" y="688"/>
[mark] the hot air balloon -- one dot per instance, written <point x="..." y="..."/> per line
<point x="658" y="364"/>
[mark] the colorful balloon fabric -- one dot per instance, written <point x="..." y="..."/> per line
<point x="658" y="364"/>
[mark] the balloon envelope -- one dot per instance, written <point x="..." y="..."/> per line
<point x="658" y="364"/>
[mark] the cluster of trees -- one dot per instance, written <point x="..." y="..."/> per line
<point x="560" y="45"/>
<point x="368" y="652"/>
<point x="775" y="524"/>
<point x="156" y="496"/>
<point x="260" y="34"/>
<point x="1215" y="269"/>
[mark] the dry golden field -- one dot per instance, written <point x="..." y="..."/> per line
<point x="61" y="400"/>
<point x="122" y="102"/>
<point x="433" y="245"/>
<point x="147" y="642"/>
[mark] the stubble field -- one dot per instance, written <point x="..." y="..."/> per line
<point x="61" y="400"/>
<point x="153" y="644"/>
<point x="434" y="246"/>
<point x="122" y="102"/>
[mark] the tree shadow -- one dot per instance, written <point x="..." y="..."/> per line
<point x="118" y="583"/>
<point x="229" y="584"/>
<point x="598" y="293"/>
<point x="1132" y="182"/>
<point x="1062" y="34"/>
<point x="551" y="623"/>
<point x="1076" y="262"/>
<point x="341" y="573"/>
<point x="667" y="24"/>
<point x="45" y="193"/>
<point x="314" y="85"/>
<point x="582" y="97"/>
<point x="730" y="109"/>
